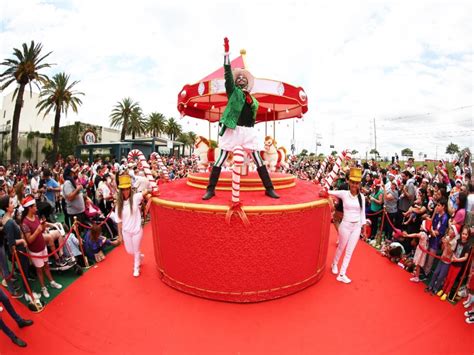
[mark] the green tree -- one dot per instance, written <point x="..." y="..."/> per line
<point x="334" y="153"/>
<point x="58" y="94"/>
<point x="23" y="69"/>
<point x="173" y="129"/>
<point x="304" y="153"/>
<point x="156" y="124"/>
<point x="137" y="124"/>
<point x="452" y="148"/>
<point x="407" y="152"/>
<point x="375" y="153"/>
<point x="354" y="152"/>
<point x="28" y="153"/>
<point x="192" y="138"/>
<point x="121" y="114"/>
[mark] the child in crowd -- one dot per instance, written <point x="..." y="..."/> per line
<point x="95" y="243"/>
<point x="461" y="253"/>
<point x="470" y="298"/>
<point x="420" y="252"/>
<point x="448" y="243"/>
<point x="410" y="215"/>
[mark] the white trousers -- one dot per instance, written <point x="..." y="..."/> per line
<point x="132" y="245"/>
<point x="349" y="234"/>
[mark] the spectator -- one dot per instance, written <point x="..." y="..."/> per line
<point x="439" y="226"/>
<point x="33" y="229"/>
<point x="18" y="319"/>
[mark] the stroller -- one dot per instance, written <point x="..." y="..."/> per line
<point x="71" y="252"/>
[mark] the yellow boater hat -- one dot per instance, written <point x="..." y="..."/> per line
<point x="355" y="174"/>
<point x="125" y="181"/>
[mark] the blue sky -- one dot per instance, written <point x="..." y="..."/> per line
<point x="394" y="61"/>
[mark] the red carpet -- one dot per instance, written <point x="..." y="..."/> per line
<point x="381" y="312"/>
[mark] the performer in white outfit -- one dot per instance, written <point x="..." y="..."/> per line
<point x="129" y="219"/>
<point x="352" y="223"/>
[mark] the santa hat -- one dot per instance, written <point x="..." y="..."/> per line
<point x="28" y="201"/>
<point x="455" y="229"/>
<point x="426" y="225"/>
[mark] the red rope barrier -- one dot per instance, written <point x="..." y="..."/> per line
<point x="13" y="268"/>
<point x="100" y="224"/>
<point x="50" y="254"/>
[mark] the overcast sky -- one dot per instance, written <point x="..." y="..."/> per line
<point x="406" y="64"/>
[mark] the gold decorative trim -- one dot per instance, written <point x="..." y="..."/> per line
<point x="274" y="179"/>
<point x="242" y="188"/>
<point x="247" y="209"/>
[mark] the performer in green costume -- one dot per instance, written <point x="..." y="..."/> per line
<point x="237" y="125"/>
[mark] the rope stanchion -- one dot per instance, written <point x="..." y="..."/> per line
<point x="35" y="303"/>
<point x="84" y="258"/>
<point x="8" y="277"/>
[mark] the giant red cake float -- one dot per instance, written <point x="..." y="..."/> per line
<point x="259" y="250"/>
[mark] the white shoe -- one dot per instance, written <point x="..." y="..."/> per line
<point x="55" y="285"/>
<point x="415" y="279"/>
<point x="136" y="272"/>
<point x="334" y="269"/>
<point x="343" y="278"/>
<point x="4" y="283"/>
<point x="45" y="292"/>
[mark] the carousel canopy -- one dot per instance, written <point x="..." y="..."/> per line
<point x="207" y="98"/>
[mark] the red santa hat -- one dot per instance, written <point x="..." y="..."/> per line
<point x="28" y="201"/>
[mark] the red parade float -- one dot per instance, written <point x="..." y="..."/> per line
<point x="254" y="250"/>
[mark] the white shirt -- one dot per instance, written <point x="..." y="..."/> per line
<point x="352" y="211"/>
<point x="131" y="222"/>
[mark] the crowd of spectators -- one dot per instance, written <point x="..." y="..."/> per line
<point x="418" y="217"/>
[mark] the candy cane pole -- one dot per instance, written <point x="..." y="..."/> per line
<point x="335" y="169"/>
<point x="322" y="168"/>
<point x="137" y="154"/>
<point x="162" y="166"/>
<point x="239" y="156"/>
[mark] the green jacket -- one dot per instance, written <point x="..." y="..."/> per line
<point x="235" y="104"/>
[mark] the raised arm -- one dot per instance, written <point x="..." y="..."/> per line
<point x="229" y="78"/>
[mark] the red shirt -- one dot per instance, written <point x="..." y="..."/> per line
<point x="29" y="226"/>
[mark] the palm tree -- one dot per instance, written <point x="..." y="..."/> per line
<point x="173" y="129"/>
<point x="58" y="94"/>
<point x="23" y="69"/>
<point x="156" y="123"/>
<point x="137" y="124"/>
<point x="121" y="114"/>
<point x="192" y="137"/>
<point x="186" y="140"/>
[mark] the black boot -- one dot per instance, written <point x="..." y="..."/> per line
<point x="267" y="182"/>
<point x="213" y="178"/>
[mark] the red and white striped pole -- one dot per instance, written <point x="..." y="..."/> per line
<point x="239" y="157"/>
<point x="137" y="154"/>
<point x="161" y="165"/>
<point x="335" y="169"/>
<point x="322" y="169"/>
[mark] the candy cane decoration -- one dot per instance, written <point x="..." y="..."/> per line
<point x="335" y="169"/>
<point x="322" y="168"/>
<point x="137" y="154"/>
<point x="239" y="157"/>
<point x="162" y="166"/>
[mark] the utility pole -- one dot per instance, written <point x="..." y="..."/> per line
<point x="375" y="135"/>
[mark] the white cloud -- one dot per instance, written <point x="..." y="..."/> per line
<point x="356" y="60"/>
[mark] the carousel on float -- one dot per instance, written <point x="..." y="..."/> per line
<point x="240" y="235"/>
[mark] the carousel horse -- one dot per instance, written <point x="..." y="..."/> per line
<point x="207" y="152"/>
<point x="273" y="157"/>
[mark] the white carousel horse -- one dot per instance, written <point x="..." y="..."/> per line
<point x="207" y="154"/>
<point x="273" y="157"/>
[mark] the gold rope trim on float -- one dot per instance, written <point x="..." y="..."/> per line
<point x="242" y="188"/>
<point x="206" y="179"/>
<point x="246" y="209"/>
<point x="241" y="293"/>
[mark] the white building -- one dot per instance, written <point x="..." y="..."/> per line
<point x="30" y="121"/>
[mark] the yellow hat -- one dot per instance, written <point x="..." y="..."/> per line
<point x="355" y="174"/>
<point x="125" y="181"/>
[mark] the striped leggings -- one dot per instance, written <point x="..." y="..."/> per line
<point x="224" y="154"/>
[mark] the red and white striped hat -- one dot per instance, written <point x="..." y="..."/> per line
<point x="28" y="201"/>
